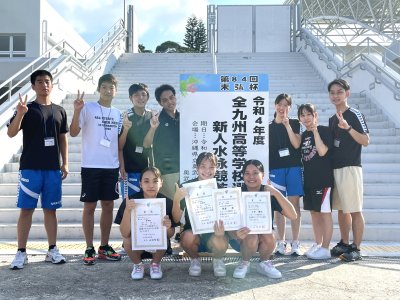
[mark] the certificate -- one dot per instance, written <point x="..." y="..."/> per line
<point x="228" y="205"/>
<point x="148" y="232"/>
<point x="257" y="212"/>
<point x="201" y="206"/>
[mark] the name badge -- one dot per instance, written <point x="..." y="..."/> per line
<point x="139" y="149"/>
<point x="49" y="142"/>
<point x="105" y="143"/>
<point x="336" y="143"/>
<point x="284" y="152"/>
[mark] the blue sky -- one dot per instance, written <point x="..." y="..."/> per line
<point x="158" y="20"/>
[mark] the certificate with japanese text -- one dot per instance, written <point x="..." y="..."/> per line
<point x="200" y="205"/>
<point x="148" y="232"/>
<point x="228" y="205"/>
<point x="257" y="212"/>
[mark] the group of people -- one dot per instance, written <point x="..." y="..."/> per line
<point x="321" y="164"/>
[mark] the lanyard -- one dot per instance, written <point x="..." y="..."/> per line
<point x="45" y="120"/>
<point x="104" y="125"/>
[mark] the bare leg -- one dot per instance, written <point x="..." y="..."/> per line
<point x="280" y="221"/>
<point x="50" y="223"/>
<point x="23" y="226"/>
<point x="106" y="219"/>
<point x="317" y="229"/>
<point x="266" y="246"/>
<point x="190" y="243"/>
<point x="218" y="245"/>
<point x="358" y="227"/>
<point x="345" y="221"/>
<point x="88" y="222"/>
<point x="295" y="200"/>
<point x="248" y="246"/>
<point x="135" y="256"/>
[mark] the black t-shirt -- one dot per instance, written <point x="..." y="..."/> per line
<point x="40" y="122"/>
<point x="274" y="203"/>
<point x="166" y="144"/>
<point x="318" y="171"/>
<point x="278" y="140"/>
<point x="136" y="157"/>
<point x="139" y="195"/>
<point x="349" y="151"/>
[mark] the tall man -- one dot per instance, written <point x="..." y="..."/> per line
<point x="164" y="135"/>
<point x="44" y="127"/>
<point x="350" y="132"/>
<point x="101" y="126"/>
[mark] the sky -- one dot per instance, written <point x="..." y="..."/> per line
<point x="158" y="20"/>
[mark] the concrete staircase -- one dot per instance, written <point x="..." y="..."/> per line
<point x="290" y="73"/>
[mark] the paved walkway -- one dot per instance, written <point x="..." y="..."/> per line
<point x="374" y="277"/>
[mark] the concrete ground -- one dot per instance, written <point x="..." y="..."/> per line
<point x="375" y="277"/>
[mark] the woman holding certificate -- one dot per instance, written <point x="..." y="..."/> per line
<point x="145" y="224"/>
<point x="253" y="174"/>
<point x="316" y="142"/>
<point x="216" y="242"/>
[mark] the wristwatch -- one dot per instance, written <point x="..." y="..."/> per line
<point x="348" y="129"/>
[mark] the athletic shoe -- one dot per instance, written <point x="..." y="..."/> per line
<point x="266" y="268"/>
<point x="352" y="254"/>
<point x="90" y="256"/>
<point x="138" y="271"/>
<point x="241" y="270"/>
<point x="280" y="248"/>
<point x="108" y="253"/>
<point x="313" y="248"/>
<point x="219" y="267"/>
<point x="19" y="261"/>
<point x="155" y="271"/>
<point x="339" y="249"/>
<point x="295" y="251"/>
<point x="54" y="256"/>
<point x="195" y="267"/>
<point x="320" y="253"/>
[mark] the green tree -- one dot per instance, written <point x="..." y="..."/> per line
<point x="195" y="38"/>
<point x="169" y="46"/>
<point x="142" y="49"/>
<point x="190" y="35"/>
<point x="200" y="44"/>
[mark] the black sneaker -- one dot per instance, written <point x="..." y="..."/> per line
<point x="352" y="255"/>
<point x="340" y="248"/>
<point x="90" y="256"/>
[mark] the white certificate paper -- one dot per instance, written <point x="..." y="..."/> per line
<point x="200" y="205"/>
<point x="257" y="212"/>
<point x="228" y="205"/>
<point x="148" y="232"/>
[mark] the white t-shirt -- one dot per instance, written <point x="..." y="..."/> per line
<point x="101" y="127"/>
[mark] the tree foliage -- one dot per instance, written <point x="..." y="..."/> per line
<point x="142" y="49"/>
<point x="168" y="46"/>
<point x="195" y="36"/>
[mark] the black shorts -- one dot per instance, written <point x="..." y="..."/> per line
<point x="99" y="184"/>
<point x="319" y="200"/>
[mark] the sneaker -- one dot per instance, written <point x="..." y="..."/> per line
<point x="295" y="251"/>
<point x="313" y="248"/>
<point x="19" y="261"/>
<point x="138" y="271"/>
<point x="339" y="249"/>
<point x="266" y="268"/>
<point x="107" y="252"/>
<point x="353" y="254"/>
<point x="155" y="271"/>
<point x="320" y="253"/>
<point x="54" y="256"/>
<point x="90" y="256"/>
<point x="280" y="248"/>
<point x="219" y="267"/>
<point x="241" y="270"/>
<point x="195" y="267"/>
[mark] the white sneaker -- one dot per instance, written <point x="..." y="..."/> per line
<point x="138" y="271"/>
<point x="295" y="251"/>
<point x="54" y="256"/>
<point x="19" y="261"/>
<point x="280" y="248"/>
<point x="241" y="270"/>
<point x="155" y="271"/>
<point x="219" y="267"/>
<point x="266" y="268"/>
<point x="195" y="267"/>
<point x="320" y="253"/>
<point x="313" y="248"/>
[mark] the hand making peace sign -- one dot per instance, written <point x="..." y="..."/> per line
<point x="79" y="103"/>
<point x="22" y="108"/>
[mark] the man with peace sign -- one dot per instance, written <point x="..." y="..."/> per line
<point x="44" y="127"/>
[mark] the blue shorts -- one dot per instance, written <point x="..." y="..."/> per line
<point x="43" y="183"/>
<point x="289" y="181"/>
<point x="132" y="184"/>
<point x="205" y="237"/>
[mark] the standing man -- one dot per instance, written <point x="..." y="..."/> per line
<point x="44" y="127"/>
<point x="101" y="126"/>
<point x="350" y="132"/>
<point x="164" y="135"/>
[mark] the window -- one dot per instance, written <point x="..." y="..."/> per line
<point x="12" y="45"/>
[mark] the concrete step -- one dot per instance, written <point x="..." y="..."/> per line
<point x="381" y="189"/>
<point x="12" y="177"/>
